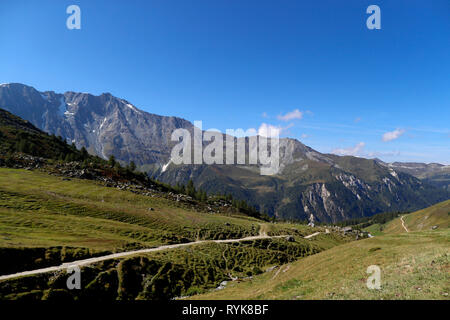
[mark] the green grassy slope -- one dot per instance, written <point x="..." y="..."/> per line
<point x="37" y="209"/>
<point x="46" y="220"/>
<point x="437" y="215"/>
<point x="413" y="265"/>
<point x="166" y="274"/>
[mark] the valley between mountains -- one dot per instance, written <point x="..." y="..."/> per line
<point x="310" y="185"/>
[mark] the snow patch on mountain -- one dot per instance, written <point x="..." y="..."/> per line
<point x="164" y="167"/>
<point x="393" y="173"/>
<point x="129" y="105"/>
<point x="67" y="113"/>
<point x="62" y="109"/>
<point x="102" y="124"/>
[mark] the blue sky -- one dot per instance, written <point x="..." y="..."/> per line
<point x="240" y="64"/>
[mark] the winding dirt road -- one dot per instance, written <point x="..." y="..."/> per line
<point x="312" y="235"/>
<point x="85" y="262"/>
<point x="80" y="263"/>
<point x="403" y="224"/>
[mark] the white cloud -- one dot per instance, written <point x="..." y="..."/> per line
<point x="296" y="114"/>
<point x="265" y="115"/>
<point x="268" y="130"/>
<point x="304" y="136"/>
<point x="392" y="135"/>
<point x="352" y="151"/>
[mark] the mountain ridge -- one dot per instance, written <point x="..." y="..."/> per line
<point x="86" y="119"/>
<point x="310" y="185"/>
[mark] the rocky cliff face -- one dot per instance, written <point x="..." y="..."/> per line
<point x="329" y="187"/>
<point x="104" y="124"/>
<point x="308" y="187"/>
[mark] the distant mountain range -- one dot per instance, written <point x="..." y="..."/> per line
<point x="433" y="173"/>
<point x="324" y="187"/>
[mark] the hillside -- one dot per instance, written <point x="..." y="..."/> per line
<point x="329" y="187"/>
<point x="434" y="216"/>
<point x="47" y="220"/>
<point x="18" y="135"/>
<point x="413" y="266"/>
